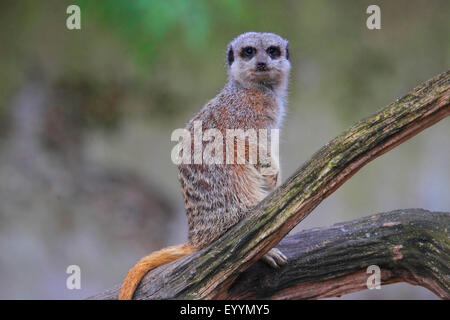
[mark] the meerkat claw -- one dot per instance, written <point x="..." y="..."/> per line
<point x="275" y="258"/>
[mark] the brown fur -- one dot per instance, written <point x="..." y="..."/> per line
<point x="217" y="196"/>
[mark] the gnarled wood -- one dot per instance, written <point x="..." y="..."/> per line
<point x="209" y="273"/>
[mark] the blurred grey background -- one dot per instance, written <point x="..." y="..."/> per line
<point x="86" y="117"/>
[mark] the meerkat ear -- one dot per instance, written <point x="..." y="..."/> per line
<point x="230" y="57"/>
<point x="287" y="51"/>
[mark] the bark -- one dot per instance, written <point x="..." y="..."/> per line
<point x="209" y="273"/>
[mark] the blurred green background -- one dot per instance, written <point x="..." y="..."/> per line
<point x="86" y="117"/>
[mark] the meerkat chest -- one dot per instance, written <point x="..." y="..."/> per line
<point x="249" y="109"/>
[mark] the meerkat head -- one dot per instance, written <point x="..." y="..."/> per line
<point x="258" y="59"/>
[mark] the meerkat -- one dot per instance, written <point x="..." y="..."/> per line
<point x="217" y="196"/>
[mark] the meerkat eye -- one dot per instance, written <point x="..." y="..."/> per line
<point x="248" y="52"/>
<point x="273" y="52"/>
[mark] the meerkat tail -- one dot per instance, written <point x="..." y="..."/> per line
<point x="147" y="263"/>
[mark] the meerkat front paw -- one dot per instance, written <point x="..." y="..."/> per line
<point x="275" y="258"/>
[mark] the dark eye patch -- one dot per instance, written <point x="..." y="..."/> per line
<point x="273" y="52"/>
<point x="248" y="52"/>
<point x="230" y="56"/>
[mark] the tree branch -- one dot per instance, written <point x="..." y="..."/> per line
<point x="411" y="245"/>
<point x="209" y="273"/>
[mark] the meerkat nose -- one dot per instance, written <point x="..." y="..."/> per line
<point x="261" y="66"/>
